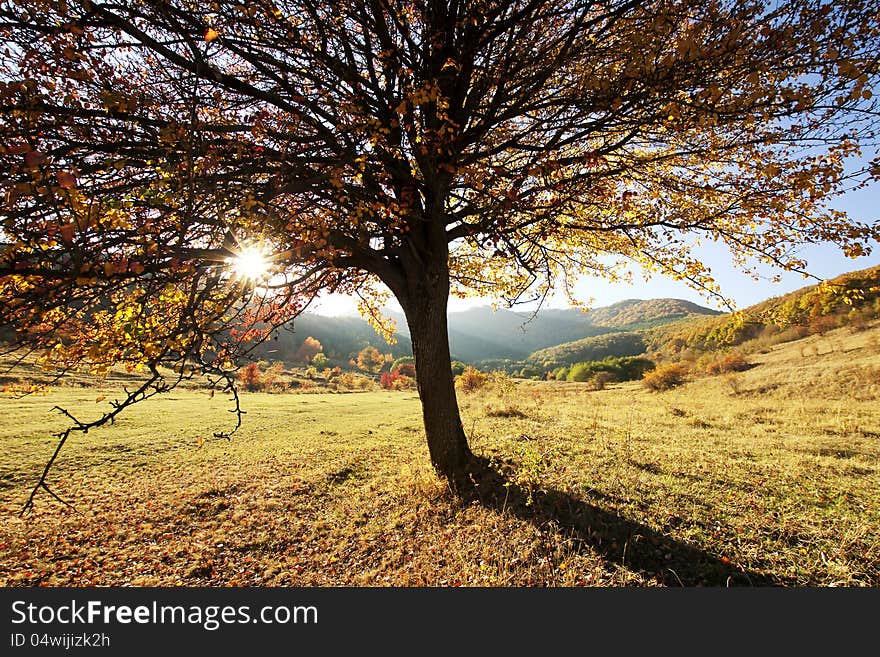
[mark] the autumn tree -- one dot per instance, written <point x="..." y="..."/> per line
<point x="370" y="359"/>
<point x="250" y="377"/>
<point x="181" y="178"/>
<point x="307" y="351"/>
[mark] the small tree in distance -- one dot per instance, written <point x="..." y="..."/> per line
<point x="182" y="178"/>
<point x="308" y="350"/>
<point x="370" y="359"/>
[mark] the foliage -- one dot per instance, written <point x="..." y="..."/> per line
<point x="619" y="369"/>
<point x="352" y="381"/>
<point x="732" y="362"/>
<point x="397" y="362"/>
<point x="341" y="338"/>
<point x="395" y="380"/>
<point x="665" y="377"/>
<point x="320" y="361"/>
<point x="256" y="379"/>
<point x="559" y="374"/>
<point x="503" y="384"/>
<point x="458" y="367"/>
<point x="370" y="359"/>
<point x="308" y="350"/>
<point x="471" y="379"/>
<point x="405" y="370"/>
<point x="250" y="377"/>
<point x="531" y="372"/>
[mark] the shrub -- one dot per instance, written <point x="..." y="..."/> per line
<point x="401" y="361"/>
<point x="504" y="385"/>
<point x="627" y="368"/>
<point x="560" y="373"/>
<point x="471" y="379"/>
<point x="250" y="377"/>
<point x="352" y="381"/>
<point x="665" y="377"/>
<point x="530" y="372"/>
<point x="599" y="380"/>
<point x="405" y="370"/>
<point x="457" y="367"/>
<point x="732" y="362"/>
<point x="395" y="381"/>
<point x="580" y="372"/>
<point x="255" y="379"/>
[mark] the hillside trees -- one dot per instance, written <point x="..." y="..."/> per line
<point x="185" y="177"/>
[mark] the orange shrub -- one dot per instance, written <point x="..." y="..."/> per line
<point x="732" y="362"/>
<point x="665" y="377"/>
<point x="471" y="379"/>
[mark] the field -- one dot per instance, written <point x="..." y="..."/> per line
<point x="768" y="476"/>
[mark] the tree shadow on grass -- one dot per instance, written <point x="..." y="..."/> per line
<point x="619" y="540"/>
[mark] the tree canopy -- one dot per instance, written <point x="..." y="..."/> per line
<point x="183" y="177"/>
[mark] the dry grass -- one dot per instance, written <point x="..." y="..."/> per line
<point x="766" y="477"/>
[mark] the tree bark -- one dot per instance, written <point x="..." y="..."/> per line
<point x="424" y="305"/>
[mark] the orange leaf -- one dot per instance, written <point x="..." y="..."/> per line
<point x="67" y="233"/>
<point x="101" y="398"/>
<point x="211" y="34"/>
<point x="66" y="179"/>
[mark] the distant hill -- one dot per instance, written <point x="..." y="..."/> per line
<point x="634" y="314"/>
<point x="341" y="338"/>
<point x="849" y="299"/>
<point x="594" y="348"/>
<point x="481" y="334"/>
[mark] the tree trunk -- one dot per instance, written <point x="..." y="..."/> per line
<point x="425" y="307"/>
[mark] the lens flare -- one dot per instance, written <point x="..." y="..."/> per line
<point x="251" y="263"/>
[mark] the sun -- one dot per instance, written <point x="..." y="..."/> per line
<point x="250" y="263"/>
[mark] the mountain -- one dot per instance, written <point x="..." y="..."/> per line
<point x="341" y="337"/>
<point x="633" y="314"/>
<point x="482" y="334"/>
<point x="608" y="345"/>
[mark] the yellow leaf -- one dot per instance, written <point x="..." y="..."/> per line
<point x="211" y="34"/>
<point x="100" y="398"/>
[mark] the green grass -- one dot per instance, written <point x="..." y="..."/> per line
<point x="767" y="476"/>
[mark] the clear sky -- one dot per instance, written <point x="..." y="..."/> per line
<point x="825" y="261"/>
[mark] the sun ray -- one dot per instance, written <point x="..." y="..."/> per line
<point x="250" y="263"/>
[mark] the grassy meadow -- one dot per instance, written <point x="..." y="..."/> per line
<point x="767" y="476"/>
